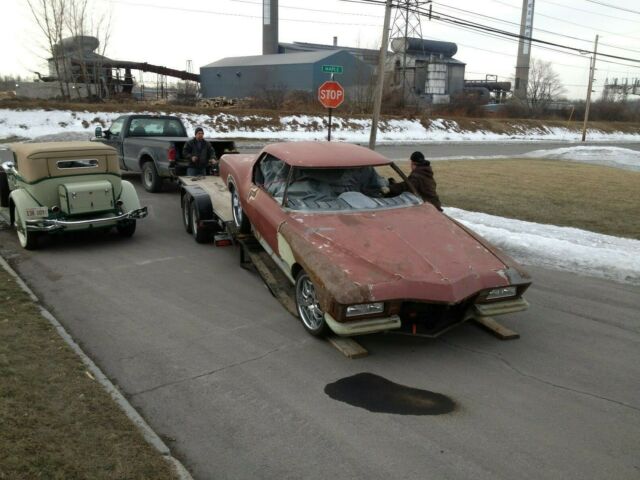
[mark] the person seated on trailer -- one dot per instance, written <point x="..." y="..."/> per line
<point x="421" y="178"/>
<point x="200" y="153"/>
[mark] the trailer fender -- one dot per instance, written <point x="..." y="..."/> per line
<point x="202" y="201"/>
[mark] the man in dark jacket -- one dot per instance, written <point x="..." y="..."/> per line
<point x="199" y="152"/>
<point x="421" y="178"/>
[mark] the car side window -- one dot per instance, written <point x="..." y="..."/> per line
<point x="116" y="127"/>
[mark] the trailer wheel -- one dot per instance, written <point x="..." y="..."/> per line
<point x="308" y="307"/>
<point x="186" y="212"/>
<point x="151" y="181"/>
<point x="4" y="189"/>
<point x="240" y="220"/>
<point x="201" y="235"/>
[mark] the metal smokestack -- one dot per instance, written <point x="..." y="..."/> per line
<point x="335" y="41"/>
<point x="269" y="27"/>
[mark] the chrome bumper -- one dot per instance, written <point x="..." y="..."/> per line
<point x="360" y="327"/>
<point x="51" y="225"/>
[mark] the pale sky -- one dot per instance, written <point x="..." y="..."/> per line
<point x="170" y="32"/>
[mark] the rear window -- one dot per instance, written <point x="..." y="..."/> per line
<point x="156" y="127"/>
<point x="85" y="163"/>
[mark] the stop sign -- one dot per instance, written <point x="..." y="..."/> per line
<point x="331" y="94"/>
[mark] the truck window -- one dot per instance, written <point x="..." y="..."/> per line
<point x="116" y="127"/>
<point x="156" y="127"/>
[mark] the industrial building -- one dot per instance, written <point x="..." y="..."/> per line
<point x="239" y="77"/>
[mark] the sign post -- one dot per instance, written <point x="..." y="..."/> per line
<point x="330" y="95"/>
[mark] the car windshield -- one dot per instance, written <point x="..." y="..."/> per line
<point x="331" y="189"/>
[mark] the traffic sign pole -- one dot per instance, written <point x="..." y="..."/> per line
<point x="329" y="136"/>
<point x="330" y="95"/>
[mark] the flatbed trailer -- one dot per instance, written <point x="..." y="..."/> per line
<point x="208" y="216"/>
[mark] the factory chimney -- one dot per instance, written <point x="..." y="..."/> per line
<point x="269" y="27"/>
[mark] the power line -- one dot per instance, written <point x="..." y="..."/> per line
<point x="591" y="12"/>
<point x="614" y="6"/>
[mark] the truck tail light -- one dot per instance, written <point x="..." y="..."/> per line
<point x="172" y="153"/>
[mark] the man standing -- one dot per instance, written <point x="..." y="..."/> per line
<point x="199" y="152"/>
<point x="421" y="178"/>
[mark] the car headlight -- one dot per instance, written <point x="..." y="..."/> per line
<point x="502" y="292"/>
<point x="365" y="309"/>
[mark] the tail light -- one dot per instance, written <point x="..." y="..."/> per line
<point x="172" y="153"/>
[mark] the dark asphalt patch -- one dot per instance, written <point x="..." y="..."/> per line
<point x="379" y="395"/>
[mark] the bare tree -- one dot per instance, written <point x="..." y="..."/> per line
<point x="544" y="86"/>
<point x="49" y="16"/>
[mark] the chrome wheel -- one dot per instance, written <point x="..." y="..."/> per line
<point x="309" y="309"/>
<point x="237" y="208"/>
<point x="194" y="221"/>
<point x="186" y="215"/>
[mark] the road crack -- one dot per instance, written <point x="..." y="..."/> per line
<point x="538" y="379"/>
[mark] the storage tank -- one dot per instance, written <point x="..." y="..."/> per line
<point x="420" y="45"/>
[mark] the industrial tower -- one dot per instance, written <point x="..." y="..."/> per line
<point x="524" y="50"/>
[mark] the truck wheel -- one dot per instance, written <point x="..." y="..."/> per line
<point x="126" y="229"/>
<point x="4" y="189"/>
<point x="239" y="218"/>
<point x="28" y="240"/>
<point x="151" y="181"/>
<point x="308" y="307"/>
<point x="186" y="213"/>
<point x="201" y="235"/>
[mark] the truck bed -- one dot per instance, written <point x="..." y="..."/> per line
<point x="218" y="192"/>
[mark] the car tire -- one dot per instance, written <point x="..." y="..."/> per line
<point x="28" y="240"/>
<point x="200" y="234"/>
<point x="309" y="310"/>
<point x="151" y="181"/>
<point x="240" y="220"/>
<point x="4" y="189"/>
<point x="126" y="229"/>
<point x="186" y="213"/>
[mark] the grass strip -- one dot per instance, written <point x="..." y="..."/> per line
<point x="57" y="421"/>
<point x="572" y="194"/>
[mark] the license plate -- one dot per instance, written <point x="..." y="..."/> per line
<point x="37" y="212"/>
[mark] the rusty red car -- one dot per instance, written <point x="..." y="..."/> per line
<point x="362" y="262"/>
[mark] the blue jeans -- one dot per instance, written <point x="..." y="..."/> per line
<point x="196" y="171"/>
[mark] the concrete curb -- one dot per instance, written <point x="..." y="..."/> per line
<point x="149" y="435"/>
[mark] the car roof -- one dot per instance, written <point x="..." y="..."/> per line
<point x="325" y="154"/>
<point x="54" y="149"/>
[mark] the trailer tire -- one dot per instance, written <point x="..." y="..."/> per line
<point x="186" y="212"/>
<point x="4" y="189"/>
<point x="240" y="220"/>
<point x="151" y="181"/>
<point x="200" y="234"/>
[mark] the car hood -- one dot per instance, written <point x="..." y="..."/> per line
<point x="413" y="253"/>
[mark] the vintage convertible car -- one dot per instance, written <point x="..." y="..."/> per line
<point x="360" y="262"/>
<point x="65" y="186"/>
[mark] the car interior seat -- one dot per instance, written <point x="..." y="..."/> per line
<point x="139" y="131"/>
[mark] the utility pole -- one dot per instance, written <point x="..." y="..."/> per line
<point x="524" y="51"/>
<point x="377" y="101"/>
<point x="591" y="72"/>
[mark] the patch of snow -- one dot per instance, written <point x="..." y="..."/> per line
<point x="562" y="248"/>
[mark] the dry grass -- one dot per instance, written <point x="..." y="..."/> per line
<point x="56" y="422"/>
<point x="599" y="199"/>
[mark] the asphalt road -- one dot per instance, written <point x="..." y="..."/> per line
<point x="237" y="387"/>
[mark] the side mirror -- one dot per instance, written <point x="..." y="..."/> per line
<point x="98" y="132"/>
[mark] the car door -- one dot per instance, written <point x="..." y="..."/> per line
<point x="134" y="139"/>
<point x="115" y="138"/>
<point x="263" y="204"/>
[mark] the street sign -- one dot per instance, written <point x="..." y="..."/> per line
<point x="331" y="94"/>
<point x="332" y="69"/>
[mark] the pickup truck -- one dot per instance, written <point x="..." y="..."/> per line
<point x="152" y="145"/>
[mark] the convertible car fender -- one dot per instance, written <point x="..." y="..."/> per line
<point x="21" y="200"/>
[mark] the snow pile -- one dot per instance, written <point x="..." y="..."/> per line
<point x="36" y="123"/>
<point x="607" y="156"/>
<point x="561" y="248"/>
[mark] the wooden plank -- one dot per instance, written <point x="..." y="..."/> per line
<point x="500" y="331"/>
<point x="348" y="346"/>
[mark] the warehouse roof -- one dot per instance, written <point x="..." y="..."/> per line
<point x="275" y="59"/>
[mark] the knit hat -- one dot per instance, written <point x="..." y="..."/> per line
<point x="199" y="129"/>
<point x="418" y="157"/>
